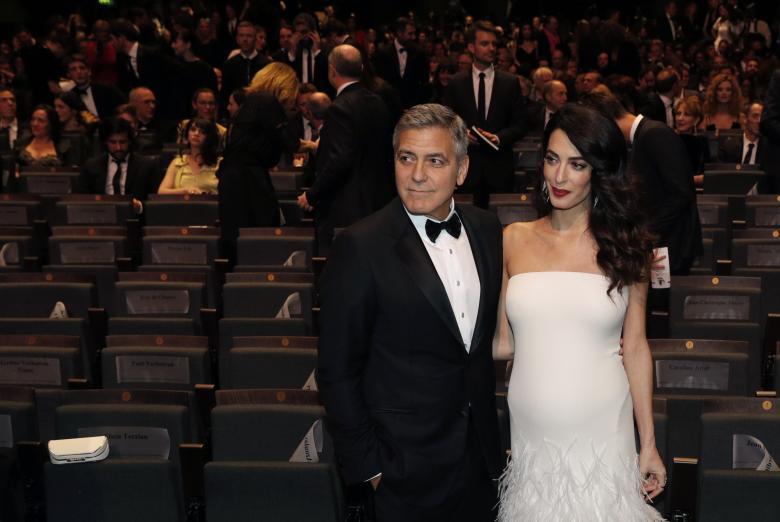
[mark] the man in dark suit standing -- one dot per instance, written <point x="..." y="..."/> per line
<point x="239" y="70"/>
<point x="409" y="299"/>
<point x="306" y="55"/>
<point x="118" y="171"/>
<point x="770" y="130"/>
<point x="100" y="100"/>
<point x="667" y="28"/>
<point x="353" y="157"/>
<point x="137" y="65"/>
<point x="403" y="65"/>
<point x="661" y="165"/>
<point x="491" y="101"/>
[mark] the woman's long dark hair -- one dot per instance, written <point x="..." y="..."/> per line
<point x="209" y="150"/>
<point x="55" y="127"/>
<point x="615" y="221"/>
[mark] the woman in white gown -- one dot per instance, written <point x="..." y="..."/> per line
<point x="573" y="281"/>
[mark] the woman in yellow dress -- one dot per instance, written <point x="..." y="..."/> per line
<point x="195" y="171"/>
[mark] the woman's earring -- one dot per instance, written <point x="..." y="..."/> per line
<point x="595" y="201"/>
<point x="545" y="192"/>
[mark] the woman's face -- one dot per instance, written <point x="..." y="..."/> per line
<point x="723" y="92"/>
<point x="195" y="136"/>
<point x="64" y="113"/>
<point x="232" y="106"/>
<point x="39" y="124"/>
<point x="566" y="173"/>
<point x="527" y="32"/>
<point x="684" y="120"/>
<point x="723" y="12"/>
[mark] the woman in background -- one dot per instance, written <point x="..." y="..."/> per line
<point x="687" y="117"/>
<point x="255" y="142"/>
<point x="196" y="171"/>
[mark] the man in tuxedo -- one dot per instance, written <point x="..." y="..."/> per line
<point x="747" y="149"/>
<point x="661" y="165"/>
<point x="409" y="299"/>
<point x="306" y="55"/>
<point x="667" y="28"/>
<point x="192" y="72"/>
<point x="353" y="157"/>
<point x="118" y="170"/>
<point x="100" y="100"/>
<point x="491" y="101"/>
<point x="554" y="94"/>
<point x="239" y="70"/>
<point x="8" y="120"/>
<point x="770" y="130"/>
<point x="403" y="65"/>
<point x="136" y="64"/>
<point x="666" y="85"/>
<point x="285" y="44"/>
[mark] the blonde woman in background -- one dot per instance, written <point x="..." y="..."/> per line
<point x="255" y="142"/>
<point x="687" y="117"/>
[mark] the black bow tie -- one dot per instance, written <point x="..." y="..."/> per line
<point x="80" y="91"/>
<point x="434" y="228"/>
<point x="402" y="50"/>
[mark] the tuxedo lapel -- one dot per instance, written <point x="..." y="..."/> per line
<point x="415" y="258"/>
<point x="494" y="97"/>
<point x="468" y="92"/>
<point x="479" y="250"/>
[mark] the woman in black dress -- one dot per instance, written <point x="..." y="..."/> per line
<point x="687" y="117"/>
<point x="255" y="141"/>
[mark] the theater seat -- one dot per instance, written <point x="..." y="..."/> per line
<point x="270" y="362"/>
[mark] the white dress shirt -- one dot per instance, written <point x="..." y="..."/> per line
<point x="111" y="172"/>
<point x="490" y="75"/>
<point x="454" y="262"/>
<point x="401" y="56"/>
<point x="634" y="126"/>
<point x="668" y="110"/>
<point x="745" y="145"/>
<point x="133" y="55"/>
<point x="89" y="100"/>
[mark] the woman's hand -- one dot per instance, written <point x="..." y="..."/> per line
<point x="653" y="471"/>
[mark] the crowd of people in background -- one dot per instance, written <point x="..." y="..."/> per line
<point x="181" y="76"/>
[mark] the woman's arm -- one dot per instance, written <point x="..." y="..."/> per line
<point x="167" y="184"/>
<point x="639" y="369"/>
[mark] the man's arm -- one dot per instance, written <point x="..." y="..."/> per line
<point x="348" y="309"/>
<point x="668" y="157"/>
<point x="335" y="154"/>
<point x="770" y="118"/>
<point x="515" y="127"/>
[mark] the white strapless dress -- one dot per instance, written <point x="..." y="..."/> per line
<point x="573" y="449"/>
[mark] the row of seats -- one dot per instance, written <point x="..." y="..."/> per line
<point x="269" y="454"/>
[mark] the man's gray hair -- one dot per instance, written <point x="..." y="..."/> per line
<point x="434" y="115"/>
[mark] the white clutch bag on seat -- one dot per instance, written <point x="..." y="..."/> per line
<point x="82" y="449"/>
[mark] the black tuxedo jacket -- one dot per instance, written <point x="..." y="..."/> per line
<point x="151" y="70"/>
<point x="660" y="161"/>
<point x="319" y="69"/>
<point x="107" y="99"/>
<point x="142" y="179"/>
<point x="534" y="118"/>
<point x="354" y="159"/>
<point x="396" y="380"/>
<point x="505" y="118"/>
<point x="412" y="87"/>
<point x="770" y="130"/>
<point x="236" y="74"/>
<point x="652" y="107"/>
<point x="730" y="150"/>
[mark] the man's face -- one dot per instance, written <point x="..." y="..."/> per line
<point x="145" y="105"/>
<point x="302" y="103"/>
<point x="557" y="97"/>
<point x="118" y="145"/>
<point x="260" y="41"/>
<point x="751" y="67"/>
<point x="7" y="105"/>
<point x="753" y="118"/>
<point x="204" y="29"/>
<point x="671" y="8"/>
<point x="285" y="35"/>
<point x="426" y="171"/>
<point x="245" y="38"/>
<point x="484" y="48"/>
<point x="179" y="47"/>
<point x="79" y="73"/>
<point x="205" y="106"/>
<point x="558" y="59"/>
<point x="589" y="81"/>
<point x="406" y="36"/>
<point x="302" y="31"/>
<point x="464" y="62"/>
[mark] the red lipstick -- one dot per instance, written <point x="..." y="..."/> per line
<point x="559" y="193"/>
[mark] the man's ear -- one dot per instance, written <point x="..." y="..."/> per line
<point x="463" y="171"/>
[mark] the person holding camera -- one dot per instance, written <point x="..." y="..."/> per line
<point x="305" y="54"/>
